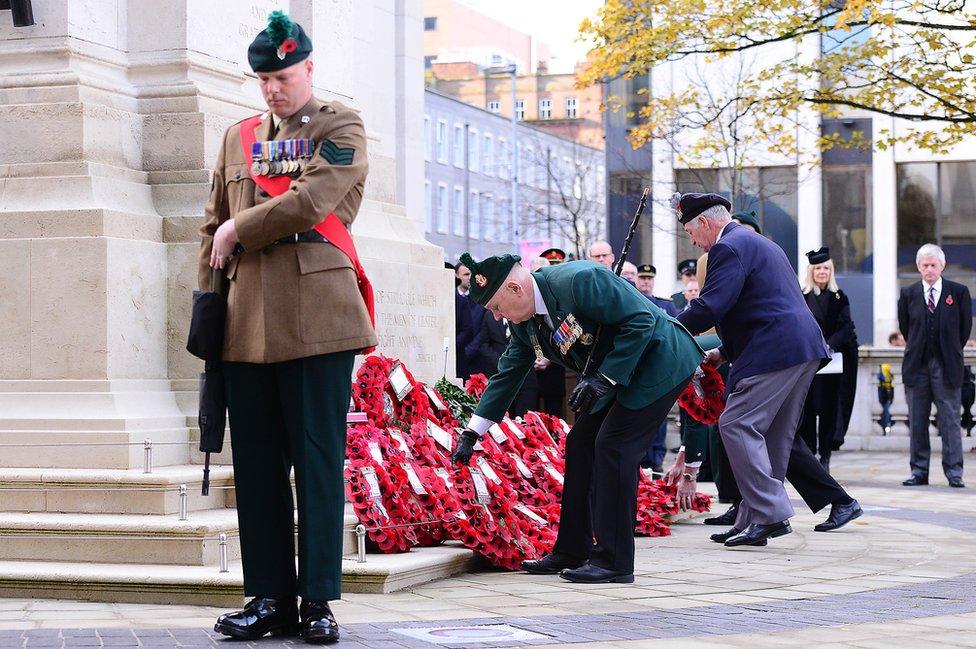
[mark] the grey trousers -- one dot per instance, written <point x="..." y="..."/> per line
<point x="757" y="428"/>
<point x="930" y="387"/>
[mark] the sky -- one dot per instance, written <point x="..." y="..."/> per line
<point x="554" y="22"/>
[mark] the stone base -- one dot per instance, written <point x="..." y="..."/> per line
<point x="204" y="585"/>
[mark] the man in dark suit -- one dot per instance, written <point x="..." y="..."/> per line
<point x="936" y="317"/>
<point x="646" y="273"/>
<point x="641" y="362"/>
<point x="774" y="346"/>
<point x="489" y="345"/>
<point x="467" y="320"/>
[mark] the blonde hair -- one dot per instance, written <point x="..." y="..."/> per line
<point x="810" y="285"/>
<point x="701" y="270"/>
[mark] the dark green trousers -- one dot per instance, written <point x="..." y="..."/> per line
<point x="284" y="415"/>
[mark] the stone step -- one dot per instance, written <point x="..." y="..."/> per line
<point x="127" y="538"/>
<point x="113" y="491"/>
<point x="80" y="444"/>
<point x="205" y="585"/>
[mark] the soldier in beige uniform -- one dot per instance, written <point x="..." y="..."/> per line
<point x="286" y="186"/>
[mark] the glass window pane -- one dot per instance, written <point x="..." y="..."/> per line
<point x="778" y="208"/>
<point x="957" y="220"/>
<point x="847" y="216"/>
<point x="917" y="201"/>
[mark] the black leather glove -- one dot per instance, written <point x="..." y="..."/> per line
<point x="587" y="392"/>
<point x="465" y="446"/>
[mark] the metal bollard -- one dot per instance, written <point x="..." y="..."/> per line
<point x="183" y="497"/>
<point x="361" y="543"/>
<point x="147" y="462"/>
<point x="223" y="552"/>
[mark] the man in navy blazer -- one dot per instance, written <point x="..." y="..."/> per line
<point x="935" y="316"/>
<point x="774" y="345"/>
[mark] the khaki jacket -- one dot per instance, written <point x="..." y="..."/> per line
<point x="291" y="300"/>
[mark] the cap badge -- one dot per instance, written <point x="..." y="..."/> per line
<point x="481" y="280"/>
<point x="287" y="46"/>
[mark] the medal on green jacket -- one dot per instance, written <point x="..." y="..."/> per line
<point x="534" y="338"/>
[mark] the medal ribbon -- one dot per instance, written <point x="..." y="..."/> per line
<point x="331" y="228"/>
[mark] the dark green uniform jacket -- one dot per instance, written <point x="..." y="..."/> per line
<point x="645" y="352"/>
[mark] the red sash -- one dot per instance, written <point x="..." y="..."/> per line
<point x="331" y="228"/>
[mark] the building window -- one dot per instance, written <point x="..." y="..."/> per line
<point x="502" y="218"/>
<point x="430" y="23"/>
<point x="937" y="204"/>
<point x="571" y="107"/>
<point x="474" y="222"/>
<point x="427" y="139"/>
<point x="443" y="208"/>
<point x="494" y="106"/>
<point x="487" y="217"/>
<point x="520" y="109"/>
<point x="770" y="191"/>
<point x="488" y="156"/>
<point x="545" y="109"/>
<point x="441" y="141"/>
<point x="429" y="62"/>
<point x="429" y="205"/>
<point x="458" y="145"/>
<point x="458" y="216"/>
<point x="474" y="153"/>
<point x="501" y="160"/>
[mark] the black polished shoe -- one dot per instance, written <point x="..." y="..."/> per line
<point x="728" y="518"/>
<point x="957" y="483"/>
<point x="260" y="616"/>
<point x="551" y="564"/>
<point x="916" y="481"/>
<point x="757" y="533"/>
<point x="725" y="536"/>
<point x="840" y="515"/>
<point x="590" y="574"/>
<point x="722" y="537"/>
<point x="318" y="624"/>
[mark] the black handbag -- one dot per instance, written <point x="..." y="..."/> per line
<point x="206" y="341"/>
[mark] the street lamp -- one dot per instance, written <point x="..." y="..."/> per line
<point x="512" y="70"/>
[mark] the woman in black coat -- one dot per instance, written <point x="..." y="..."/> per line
<point x="831" y="308"/>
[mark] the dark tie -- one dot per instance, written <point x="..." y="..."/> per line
<point x="931" y="300"/>
<point x="273" y="130"/>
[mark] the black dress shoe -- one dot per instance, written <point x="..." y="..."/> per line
<point x="725" y="536"/>
<point x="551" y="564"/>
<point x="590" y="574"/>
<point x="840" y="515"/>
<point x="318" y="624"/>
<point x="728" y="518"/>
<point x="916" y="481"/>
<point x="957" y="483"/>
<point x="757" y="533"/>
<point x="260" y="616"/>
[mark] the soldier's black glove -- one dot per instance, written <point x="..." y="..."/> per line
<point x="587" y="392"/>
<point x="465" y="446"/>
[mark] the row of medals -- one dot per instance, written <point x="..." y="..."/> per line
<point x="276" y="157"/>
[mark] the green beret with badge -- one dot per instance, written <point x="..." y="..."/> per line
<point x="488" y="275"/>
<point x="280" y="45"/>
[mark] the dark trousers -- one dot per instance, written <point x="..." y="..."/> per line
<point x="603" y="453"/>
<point x="818" y="425"/>
<point x="929" y="386"/>
<point x="814" y="484"/>
<point x="283" y="416"/>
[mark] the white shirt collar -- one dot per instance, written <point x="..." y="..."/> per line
<point x="464" y="293"/>
<point x="540" y="304"/>
<point x="722" y="231"/>
<point x="937" y="285"/>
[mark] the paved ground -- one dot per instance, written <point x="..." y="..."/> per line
<point x="902" y="575"/>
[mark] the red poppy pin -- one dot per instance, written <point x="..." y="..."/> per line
<point x="287" y="46"/>
<point x="949" y="300"/>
